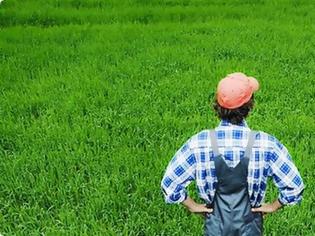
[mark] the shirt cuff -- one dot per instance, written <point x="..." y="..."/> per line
<point x="176" y="198"/>
<point x="285" y="201"/>
<point x="281" y="202"/>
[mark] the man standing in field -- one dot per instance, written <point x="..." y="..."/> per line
<point x="230" y="165"/>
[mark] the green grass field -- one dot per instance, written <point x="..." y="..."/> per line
<point x="96" y="97"/>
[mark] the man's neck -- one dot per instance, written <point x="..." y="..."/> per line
<point x="225" y="122"/>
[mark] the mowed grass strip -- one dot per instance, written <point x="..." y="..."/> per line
<point x="94" y="103"/>
<point x="57" y="12"/>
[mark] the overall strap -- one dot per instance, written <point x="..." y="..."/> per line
<point x="214" y="143"/>
<point x="251" y="140"/>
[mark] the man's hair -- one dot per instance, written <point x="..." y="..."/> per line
<point x="234" y="116"/>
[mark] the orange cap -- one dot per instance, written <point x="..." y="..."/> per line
<point x="235" y="90"/>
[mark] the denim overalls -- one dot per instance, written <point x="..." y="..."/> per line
<point x="232" y="215"/>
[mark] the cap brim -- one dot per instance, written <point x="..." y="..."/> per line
<point x="253" y="83"/>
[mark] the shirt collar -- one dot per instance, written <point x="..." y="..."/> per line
<point x="227" y="123"/>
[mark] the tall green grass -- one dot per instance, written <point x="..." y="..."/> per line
<point x="96" y="97"/>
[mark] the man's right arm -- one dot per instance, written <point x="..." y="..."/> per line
<point x="285" y="176"/>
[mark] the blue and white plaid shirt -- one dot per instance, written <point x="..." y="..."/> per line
<point x="194" y="162"/>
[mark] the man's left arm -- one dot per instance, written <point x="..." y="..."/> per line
<point x="179" y="173"/>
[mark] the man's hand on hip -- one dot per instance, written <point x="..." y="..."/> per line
<point x="194" y="207"/>
<point x="268" y="208"/>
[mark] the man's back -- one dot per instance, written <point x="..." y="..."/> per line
<point x="194" y="161"/>
<point x="209" y="158"/>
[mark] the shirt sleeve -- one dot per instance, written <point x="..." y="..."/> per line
<point x="179" y="173"/>
<point x="286" y="176"/>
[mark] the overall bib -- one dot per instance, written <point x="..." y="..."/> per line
<point x="232" y="215"/>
